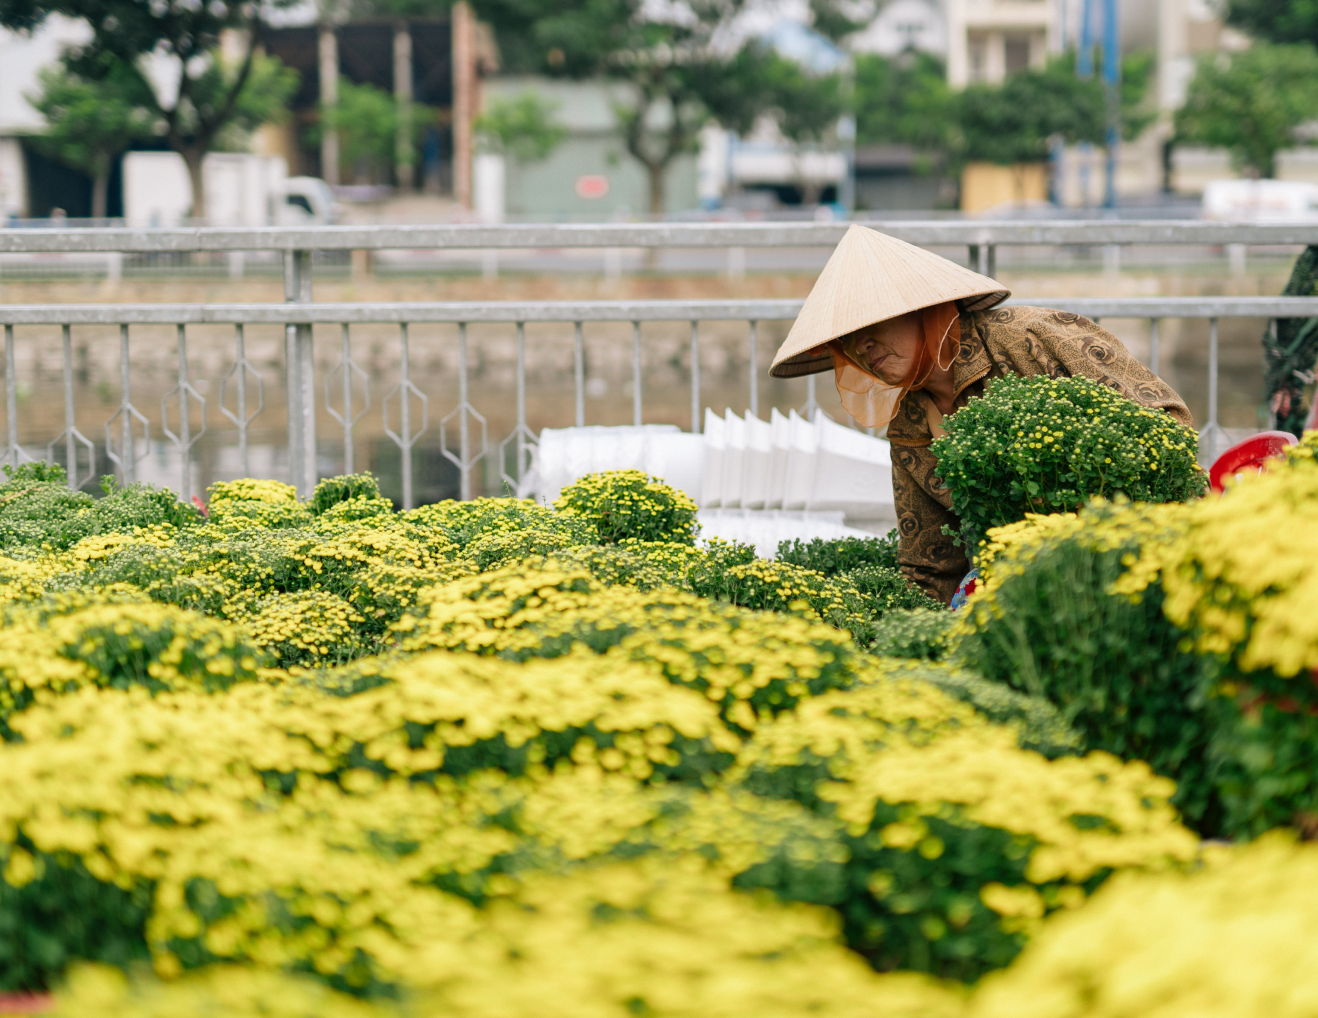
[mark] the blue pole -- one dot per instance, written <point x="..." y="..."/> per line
<point x="1084" y="63"/>
<point x="1112" y="90"/>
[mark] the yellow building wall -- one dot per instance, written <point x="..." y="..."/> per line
<point x="984" y="185"/>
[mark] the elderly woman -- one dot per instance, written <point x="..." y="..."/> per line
<point x="911" y="337"/>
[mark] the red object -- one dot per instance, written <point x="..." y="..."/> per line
<point x="592" y="185"/>
<point x="26" y="1003"/>
<point x="201" y="506"/>
<point x="1248" y="455"/>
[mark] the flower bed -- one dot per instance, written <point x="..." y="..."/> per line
<point x="484" y="758"/>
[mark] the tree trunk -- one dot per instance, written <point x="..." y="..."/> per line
<point x="193" y="157"/>
<point x="657" y="187"/>
<point x="100" y="184"/>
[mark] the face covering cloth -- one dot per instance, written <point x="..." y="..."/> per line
<point x="870" y="400"/>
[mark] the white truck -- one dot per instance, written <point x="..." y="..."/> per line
<point x="241" y="190"/>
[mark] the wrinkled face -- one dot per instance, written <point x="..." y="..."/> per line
<point x="890" y="348"/>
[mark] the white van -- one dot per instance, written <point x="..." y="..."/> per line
<point x="241" y="190"/>
<point x="1261" y="201"/>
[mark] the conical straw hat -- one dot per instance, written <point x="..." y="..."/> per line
<point x="870" y="278"/>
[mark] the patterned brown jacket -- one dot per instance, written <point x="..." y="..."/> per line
<point x="1023" y="340"/>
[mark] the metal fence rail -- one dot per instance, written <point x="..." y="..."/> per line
<point x="925" y="233"/>
<point x="401" y="425"/>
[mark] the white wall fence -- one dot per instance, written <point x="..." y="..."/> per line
<point x="463" y="430"/>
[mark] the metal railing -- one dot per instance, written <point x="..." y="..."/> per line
<point x="297" y="319"/>
<point x="981" y="238"/>
<point x="299" y="313"/>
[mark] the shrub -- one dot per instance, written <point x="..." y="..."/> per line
<point x="1047" y="622"/>
<point x="732" y="573"/>
<point x="933" y="801"/>
<point x="1047" y="445"/>
<point x="64" y="643"/>
<point x="1234" y="940"/>
<point x="913" y="632"/>
<point x="489" y="532"/>
<point x="623" y="504"/>
<point x="38" y="511"/>
<point x="883" y="589"/>
<point x="333" y="490"/>
<point x="841" y="555"/>
<point x="1241" y="576"/>
<point x="753" y="665"/>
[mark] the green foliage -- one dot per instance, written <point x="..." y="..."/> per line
<point x="36" y="471"/>
<point x="831" y="19"/>
<point x="913" y="632"/>
<point x="35" y="512"/>
<point x="90" y="121"/>
<point x="366" y="119"/>
<point x="806" y="105"/>
<point x="523" y="126"/>
<point x="1282" y="21"/>
<point x="1044" y="445"/>
<point x="1291" y="351"/>
<point x="905" y="100"/>
<point x="633" y="44"/>
<point x="1251" y="102"/>
<point x="62" y="914"/>
<point x="623" y="504"/>
<point x="213" y="100"/>
<point x="1040" y="724"/>
<point x="260" y="98"/>
<point x="1119" y="671"/>
<point x="1016" y="121"/>
<point x="841" y="555"/>
<point x="333" y="490"/>
<point x="883" y="590"/>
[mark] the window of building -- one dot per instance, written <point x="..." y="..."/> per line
<point x="1017" y="53"/>
<point x="978" y="52"/>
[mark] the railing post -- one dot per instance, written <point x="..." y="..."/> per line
<point x="695" y="378"/>
<point x="405" y="415"/>
<point x="185" y="439"/>
<point x="70" y="436"/>
<point x="521" y="398"/>
<point x="241" y="365"/>
<point x="1154" y="324"/>
<point x="464" y="429"/>
<point x="348" y="419"/>
<point x="70" y="445"/>
<point x="301" y="378"/>
<point x="14" y="454"/>
<point x="579" y="374"/>
<point x="126" y="468"/>
<point x="991" y="261"/>
<point x="1210" y="435"/>
<point x="636" y="374"/>
<point x="811" y="404"/>
<point x="754" y="372"/>
<point x="184" y="424"/>
<point x="406" y="390"/>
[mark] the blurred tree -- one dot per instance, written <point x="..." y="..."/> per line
<point x="905" y="100"/>
<point x="1284" y="21"/>
<point x="837" y="19"/>
<point x="90" y="121"/>
<point x="673" y="60"/>
<point x="1251" y="102"/>
<point x="806" y="106"/>
<point x="208" y="96"/>
<point x="522" y="126"/>
<point x="367" y="121"/>
<point x="1016" y="121"/>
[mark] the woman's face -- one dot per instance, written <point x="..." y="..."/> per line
<point x="890" y="348"/>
